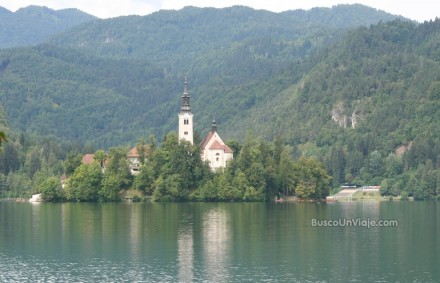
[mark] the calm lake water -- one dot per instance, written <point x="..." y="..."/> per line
<point x="217" y="242"/>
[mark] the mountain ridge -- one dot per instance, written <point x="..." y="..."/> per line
<point x="33" y="25"/>
<point x="347" y="96"/>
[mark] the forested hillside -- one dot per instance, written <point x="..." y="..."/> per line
<point x="33" y="25"/>
<point x="53" y="91"/>
<point x="364" y="100"/>
<point x="175" y="38"/>
<point x="229" y="56"/>
<point x="369" y="108"/>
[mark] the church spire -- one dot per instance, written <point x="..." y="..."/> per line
<point x="185" y="99"/>
<point x="186" y="131"/>
<point x="214" y="126"/>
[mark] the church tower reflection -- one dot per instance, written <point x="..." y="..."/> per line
<point x="216" y="233"/>
<point x="185" y="243"/>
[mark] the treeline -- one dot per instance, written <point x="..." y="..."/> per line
<point x="174" y="171"/>
<point x="27" y="161"/>
<point x="412" y="170"/>
<point x="366" y="105"/>
<point x="182" y="36"/>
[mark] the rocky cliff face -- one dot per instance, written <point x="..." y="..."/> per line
<point x="338" y="116"/>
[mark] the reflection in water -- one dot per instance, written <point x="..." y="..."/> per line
<point x="348" y="241"/>
<point x="209" y="242"/>
<point x="135" y="228"/>
<point x="216" y="233"/>
<point x="36" y="206"/>
<point x="185" y="244"/>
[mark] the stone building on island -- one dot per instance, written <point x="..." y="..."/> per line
<point x="213" y="149"/>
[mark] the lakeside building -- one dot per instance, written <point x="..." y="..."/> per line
<point x="213" y="149"/>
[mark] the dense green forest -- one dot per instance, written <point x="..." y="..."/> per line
<point x="230" y="63"/>
<point x="33" y="25"/>
<point x="77" y="97"/>
<point x="26" y="161"/>
<point x="344" y="86"/>
<point x="175" y="39"/>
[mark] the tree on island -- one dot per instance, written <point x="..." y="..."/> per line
<point x="2" y="137"/>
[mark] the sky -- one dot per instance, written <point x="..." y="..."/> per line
<point x="420" y="10"/>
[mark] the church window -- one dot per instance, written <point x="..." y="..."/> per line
<point x="185" y="133"/>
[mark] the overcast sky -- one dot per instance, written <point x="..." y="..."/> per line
<point x="420" y="10"/>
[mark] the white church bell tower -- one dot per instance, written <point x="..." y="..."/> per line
<point x="186" y="118"/>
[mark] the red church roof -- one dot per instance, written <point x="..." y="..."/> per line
<point x="217" y="145"/>
<point x="206" y="140"/>
<point x="88" y="158"/>
<point x="133" y="152"/>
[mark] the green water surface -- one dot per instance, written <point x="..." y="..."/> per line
<point x="217" y="242"/>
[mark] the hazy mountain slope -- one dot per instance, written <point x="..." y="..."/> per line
<point x="59" y="92"/>
<point x="33" y="25"/>
<point x="369" y="109"/>
<point x="231" y="56"/>
<point x="365" y="101"/>
<point x="376" y="76"/>
<point x="176" y="38"/>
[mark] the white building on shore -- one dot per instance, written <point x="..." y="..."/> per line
<point x="213" y="149"/>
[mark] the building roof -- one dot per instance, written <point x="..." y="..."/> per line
<point x="133" y="153"/>
<point x="217" y="145"/>
<point x="88" y="158"/>
<point x="206" y="140"/>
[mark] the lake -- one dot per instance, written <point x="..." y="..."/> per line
<point x="219" y="242"/>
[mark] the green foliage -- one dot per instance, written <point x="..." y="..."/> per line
<point x="111" y="186"/>
<point x="100" y="157"/>
<point x="85" y="183"/>
<point x="404" y="195"/>
<point x="160" y="35"/>
<point x="233" y="62"/>
<point x="364" y="102"/>
<point x="51" y="190"/>
<point x="9" y="158"/>
<point x="255" y="175"/>
<point x="118" y="166"/>
<point x="313" y="181"/>
<point x="179" y="169"/>
<point x="2" y="137"/>
<point x="72" y="162"/>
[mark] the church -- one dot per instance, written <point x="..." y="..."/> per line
<point x="213" y="149"/>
